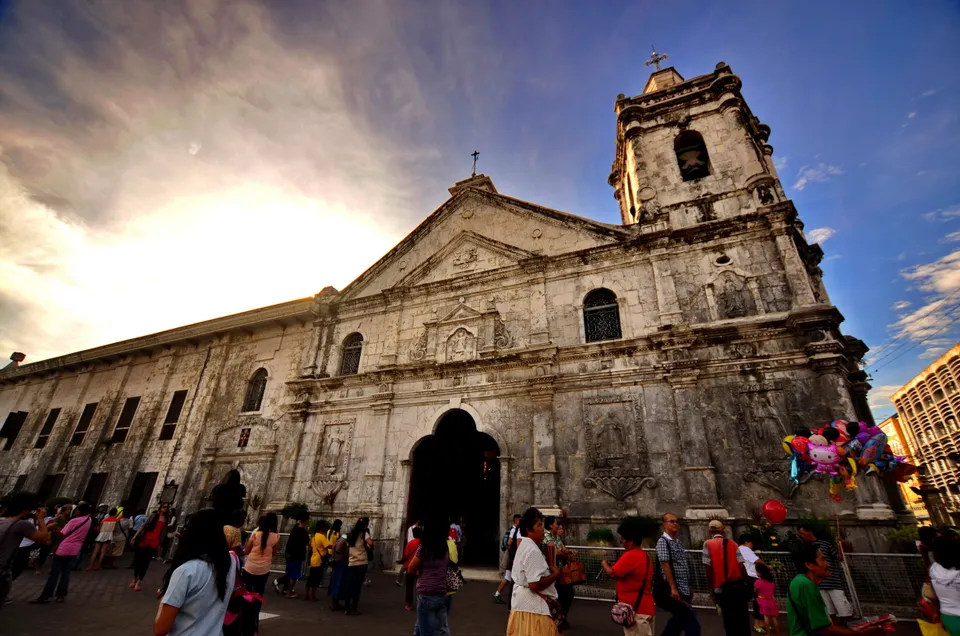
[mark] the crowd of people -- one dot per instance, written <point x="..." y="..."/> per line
<point x="218" y="573"/>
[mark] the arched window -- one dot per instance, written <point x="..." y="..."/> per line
<point x="255" y="388"/>
<point x="601" y="316"/>
<point x="350" y="358"/>
<point x="692" y="157"/>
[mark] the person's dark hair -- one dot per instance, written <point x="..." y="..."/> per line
<point x="928" y="535"/>
<point x="746" y="537"/>
<point x="155" y="517"/>
<point x="322" y="526"/>
<point x="203" y="539"/>
<point x="337" y="525"/>
<point x="516" y="518"/>
<point x="806" y="553"/>
<point x="529" y="519"/>
<point x="417" y="532"/>
<point x="549" y="521"/>
<point x="238" y="518"/>
<point x="632" y="529"/>
<point x="232" y="478"/>
<point x="112" y="512"/>
<point x="20" y="501"/>
<point x="433" y="543"/>
<point x="267" y="524"/>
<point x="946" y="552"/>
<point x="301" y="516"/>
<point x="764" y="572"/>
<point x="82" y="509"/>
<point x="357" y="531"/>
<point x="803" y="525"/>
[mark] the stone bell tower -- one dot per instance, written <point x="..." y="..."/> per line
<point x="688" y="149"/>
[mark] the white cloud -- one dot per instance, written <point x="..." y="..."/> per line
<point x="942" y="214"/>
<point x="780" y="163"/>
<point x="911" y="115"/>
<point x="951" y="237"/>
<point x="930" y="323"/>
<point x="900" y="305"/>
<point x="929" y="92"/>
<point x="815" y="174"/>
<point x="880" y="396"/>
<point x="820" y="234"/>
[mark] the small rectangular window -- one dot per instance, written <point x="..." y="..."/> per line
<point x="21" y="482"/>
<point x="11" y="428"/>
<point x="244" y="438"/>
<point x="173" y="415"/>
<point x="94" y="490"/>
<point x="50" y="487"/>
<point x="83" y="424"/>
<point x="126" y="419"/>
<point x="48" y="424"/>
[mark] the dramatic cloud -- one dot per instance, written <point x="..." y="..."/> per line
<point x="900" y="305"/>
<point x="780" y="163"/>
<point x="815" y="174"/>
<point x="820" y="234"/>
<point x="165" y="163"/>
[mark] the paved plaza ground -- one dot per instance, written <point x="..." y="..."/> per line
<point x="100" y="603"/>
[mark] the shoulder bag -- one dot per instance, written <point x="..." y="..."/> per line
<point x="626" y="615"/>
<point x="454" y="575"/>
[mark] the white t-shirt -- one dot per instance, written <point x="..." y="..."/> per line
<point x="750" y="559"/>
<point x="946" y="583"/>
<point x="410" y="533"/>
<point x="530" y="566"/>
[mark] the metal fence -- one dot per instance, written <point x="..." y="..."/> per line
<point x="874" y="583"/>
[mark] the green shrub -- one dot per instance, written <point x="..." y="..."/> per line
<point x="904" y="539"/>
<point x="292" y="510"/>
<point x="600" y="535"/>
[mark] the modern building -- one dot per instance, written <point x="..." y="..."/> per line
<point x="502" y="355"/>
<point x="899" y="443"/>
<point x="927" y="407"/>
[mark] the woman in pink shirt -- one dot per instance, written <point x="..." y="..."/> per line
<point x="72" y="537"/>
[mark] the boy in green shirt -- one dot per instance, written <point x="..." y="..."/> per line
<point x="806" y="611"/>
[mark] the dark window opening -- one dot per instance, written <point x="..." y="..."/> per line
<point x="601" y="316"/>
<point x="83" y="424"/>
<point x="255" y="388"/>
<point x="173" y="415"/>
<point x="21" y="482"/>
<point x="350" y="358"/>
<point x="50" y="487"/>
<point x="94" y="490"/>
<point x="11" y="428"/>
<point x="244" y="438"/>
<point x="125" y="420"/>
<point x="142" y="491"/>
<point x="48" y="425"/>
<point x="692" y="157"/>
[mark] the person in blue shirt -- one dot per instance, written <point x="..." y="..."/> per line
<point x="198" y="586"/>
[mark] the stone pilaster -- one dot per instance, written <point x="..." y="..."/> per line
<point x="793" y="267"/>
<point x="375" y="450"/>
<point x="666" y="293"/>
<point x="545" y="490"/>
<point x="699" y="472"/>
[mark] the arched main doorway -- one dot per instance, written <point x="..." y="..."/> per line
<point x="456" y="473"/>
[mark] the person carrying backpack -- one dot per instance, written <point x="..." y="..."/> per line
<point x="508" y="550"/>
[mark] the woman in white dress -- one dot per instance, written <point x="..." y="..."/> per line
<point x="533" y="582"/>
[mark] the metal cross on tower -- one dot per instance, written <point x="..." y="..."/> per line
<point x="656" y="58"/>
<point x="474" y="154"/>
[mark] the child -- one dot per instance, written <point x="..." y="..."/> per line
<point x="765" y="588"/>
<point x="408" y="553"/>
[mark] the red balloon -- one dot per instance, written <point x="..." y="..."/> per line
<point x="774" y="511"/>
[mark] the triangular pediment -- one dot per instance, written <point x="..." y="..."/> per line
<point x="468" y="253"/>
<point x="502" y="230"/>
<point x="459" y="313"/>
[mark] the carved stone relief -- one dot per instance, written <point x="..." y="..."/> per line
<point x="617" y="461"/>
<point x="419" y="349"/>
<point x="461" y="346"/>
<point x="333" y="457"/>
<point x="501" y="337"/>
<point x="465" y="257"/>
<point x="763" y="422"/>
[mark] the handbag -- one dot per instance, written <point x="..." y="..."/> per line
<point x="556" y="610"/>
<point x="626" y="615"/>
<point x="573" y="572"/>
<point x="454" y="576"/>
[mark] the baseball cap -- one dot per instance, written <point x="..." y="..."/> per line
<point x="716" y="524"/>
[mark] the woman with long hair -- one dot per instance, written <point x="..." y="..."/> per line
<point x="319" y="559"/>
<point x="147" y="539"/>
<point x="533" y="582"/>
<point x="228" y="495"/>
<point x="558" y="555"/>
<point x="334" y="532"/>
<point x="260" y="549"/>
<point x="359" y="542"/>
<point x="103" y="542"/>
<point x="429" y="565"/>
<point x="341" y="557"/>
<point x="197" y="587"/>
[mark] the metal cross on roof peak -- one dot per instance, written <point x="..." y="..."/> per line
<point x="475" y="155"/>
<point x="655" y="59"/>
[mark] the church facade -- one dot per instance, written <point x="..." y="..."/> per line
<point x="502" y="355"/>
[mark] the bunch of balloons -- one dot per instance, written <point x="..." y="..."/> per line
<point x="839" y="451"/>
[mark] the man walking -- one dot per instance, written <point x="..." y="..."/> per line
<point x="508" y="548"/>
<point x="725" y="578"/>
<point x="831" y="588"/>
<point x="806" y="609"/>
<point x="672" y="590"/>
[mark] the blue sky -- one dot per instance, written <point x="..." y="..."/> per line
<point x="163" y="163"/>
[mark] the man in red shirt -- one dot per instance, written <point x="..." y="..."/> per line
<point x="726" y="578"/>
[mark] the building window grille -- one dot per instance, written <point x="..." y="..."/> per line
<point x="255" y="388"/>
<point x="601" y="316"/>
<point x="244" y="438"/>
<point x="350" y="358"/>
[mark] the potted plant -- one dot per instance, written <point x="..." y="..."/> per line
<point x="600" y="537"/>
